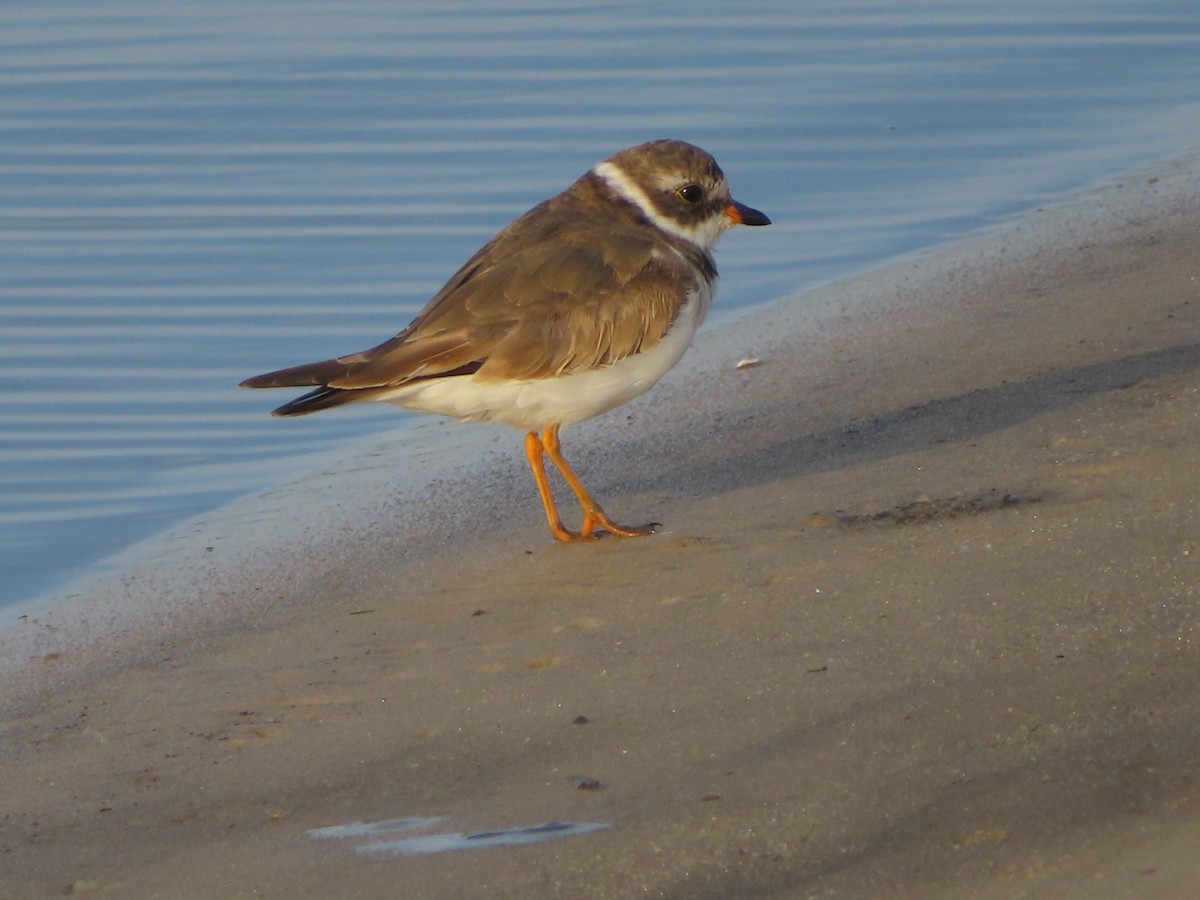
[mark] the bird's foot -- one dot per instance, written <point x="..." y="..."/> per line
<point x="596" y="524"/>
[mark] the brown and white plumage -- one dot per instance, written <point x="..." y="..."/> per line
<point x="578" y="306"/>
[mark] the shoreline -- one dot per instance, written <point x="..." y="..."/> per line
<point x="923" y="614"/>
<point x="356" y="481"/>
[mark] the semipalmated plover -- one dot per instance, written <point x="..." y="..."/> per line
<point x="578" y="306"/>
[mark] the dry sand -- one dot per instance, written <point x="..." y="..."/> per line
<point x="924" y="622"/>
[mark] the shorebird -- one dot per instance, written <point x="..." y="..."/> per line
<point x="576" y="307"/>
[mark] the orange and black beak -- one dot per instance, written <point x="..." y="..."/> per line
<point x="744" y="215"/>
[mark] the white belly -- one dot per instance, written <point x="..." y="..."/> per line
<point x="535" y="404"/>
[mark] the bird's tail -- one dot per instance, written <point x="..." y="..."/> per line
<point x="317" y="374"/>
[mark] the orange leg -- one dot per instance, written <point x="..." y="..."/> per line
<point x="593" y="515"/>
<point x="533" y="452"/>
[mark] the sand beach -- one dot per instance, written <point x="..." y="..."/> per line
<point x="923" y="621"/>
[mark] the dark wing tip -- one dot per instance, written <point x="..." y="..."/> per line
<point x="314" y="401"/>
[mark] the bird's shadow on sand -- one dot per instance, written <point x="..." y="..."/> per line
<point x="968" y="416"/>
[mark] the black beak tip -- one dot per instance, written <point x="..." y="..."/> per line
<point x="754" y="217"/>
<point x="749" y="216"/>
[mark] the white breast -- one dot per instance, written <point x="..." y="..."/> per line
<point x="535" y="404"/>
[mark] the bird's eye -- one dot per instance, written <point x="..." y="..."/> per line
<point x="690" y="193"/>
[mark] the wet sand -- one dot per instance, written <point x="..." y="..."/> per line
<point x="923" y="621"/>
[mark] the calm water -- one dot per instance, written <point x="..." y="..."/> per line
<point x="194" y="193"/>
